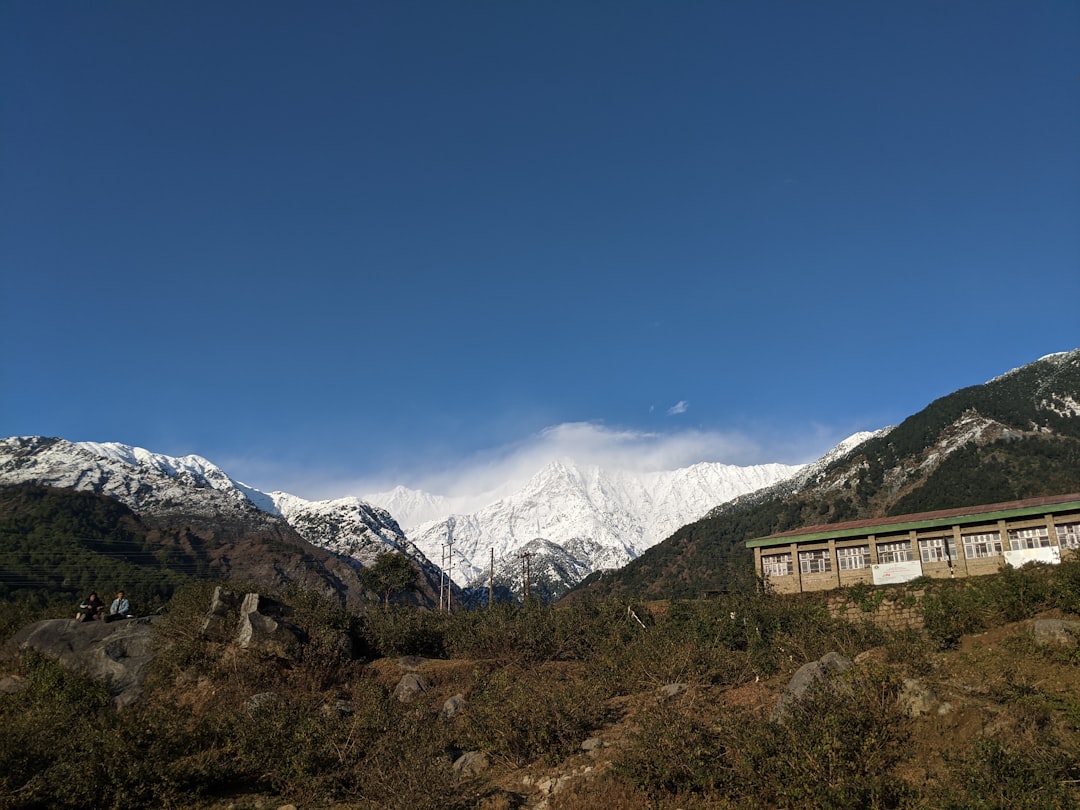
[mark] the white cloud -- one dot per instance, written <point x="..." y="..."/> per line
<point x="485" y="476"/>
<point x="678" y="407"/>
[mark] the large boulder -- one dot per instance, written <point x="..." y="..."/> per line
<point x="1056" y="632"/>
<point x="259" y="627"/>
<point x="116" y="653"/>
<point x="259" y="623"/>
<point x="823" y="671"/>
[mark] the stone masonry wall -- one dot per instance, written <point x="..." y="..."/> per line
<point x="900" y="609"/>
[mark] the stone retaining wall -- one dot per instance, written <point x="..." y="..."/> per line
<point x="899" y="610"/>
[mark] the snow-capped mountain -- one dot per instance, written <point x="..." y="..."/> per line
<point x="155" y="484"/>
<point x="602" y="519"/>
<point x="348" y="527"/>
<point x="412" y="507"/>
<point x="572" y="519"/>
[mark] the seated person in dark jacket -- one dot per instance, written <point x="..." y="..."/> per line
<point x="91" y="608"/>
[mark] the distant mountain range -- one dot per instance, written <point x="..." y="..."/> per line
<point x="670" y="533"/>
<point x="573" y="521"/>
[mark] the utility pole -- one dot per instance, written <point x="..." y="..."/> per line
<point x="491" y="579"/>
<point x="442" y="576"/>
<point x="525" y="576"/>
<point x="449" y="573"/>
<point x="450" y="523"/>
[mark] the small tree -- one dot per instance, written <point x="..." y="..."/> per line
<point x="390" y="573"/>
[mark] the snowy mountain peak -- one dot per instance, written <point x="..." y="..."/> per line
<point x="153" y="483"/>
<point x="606" y="518"/>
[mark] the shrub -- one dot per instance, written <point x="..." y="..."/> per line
<point x="524" y="714"/>
<point x="1019" y="593"/>
<point x="836" y="747"/>
<point x="403" y="631"/>
<point x="997" y="775"/>
<point x="674" y="752"/>
<point x="955" y="609"/>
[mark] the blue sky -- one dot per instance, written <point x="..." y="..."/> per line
<point x="341" y="245"/>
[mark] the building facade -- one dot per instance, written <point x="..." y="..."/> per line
<point x="947" y="543"/>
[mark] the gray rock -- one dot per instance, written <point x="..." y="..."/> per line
<point x="916" y="698"/>
<point x="339" y="707"/>
<point x="824" y="670"/>
<point x="471" y="763"/>
<point x="670" y="690"/>
<point x="263" y="700"/>
<point x="116" y="653"/>
<point x="214" y="626"/>
<point x="410" y="687"/>
<point x="257" y="629"/>
<point x="12" y="685"/>
<point x="453" y="705"/>
<point x="592" y="744"/>
<point x="1056" y="632"/>
<point x="411" y="663"/>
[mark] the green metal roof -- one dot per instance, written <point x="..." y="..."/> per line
<point x="903" y="523"/>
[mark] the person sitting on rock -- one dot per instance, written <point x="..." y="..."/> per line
<point x="91" y="608"/>
<point x="120" y="608"/>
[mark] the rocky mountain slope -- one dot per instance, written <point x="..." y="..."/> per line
<point x="235" y="531"/>
<point x="1016" y="436"/>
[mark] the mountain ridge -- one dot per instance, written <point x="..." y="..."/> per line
<point x="583" y="510"/>
<point x="1014" y="437"/>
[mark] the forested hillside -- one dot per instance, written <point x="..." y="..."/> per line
<point x="59" y="545"/>
<point x="1017" y="436"/>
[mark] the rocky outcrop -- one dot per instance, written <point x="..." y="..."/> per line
<point x="824" y="670"/>
<point x="252" y="621"/>
<point x="116" y="653"/>
<point x="1056" y="632"/>
<point x="410" y="687"/>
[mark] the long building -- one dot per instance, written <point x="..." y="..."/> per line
<point x="962" y="542"/>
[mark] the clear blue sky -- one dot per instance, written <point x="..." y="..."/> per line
<point x="361" y="242"/>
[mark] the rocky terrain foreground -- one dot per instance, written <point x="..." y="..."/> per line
<point x="1002" y="706"/>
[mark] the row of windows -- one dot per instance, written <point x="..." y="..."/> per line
<point x="979" y="545"/>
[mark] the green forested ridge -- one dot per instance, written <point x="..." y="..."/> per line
<point x="1037" y="455"/>
<point x="58" y="545"/>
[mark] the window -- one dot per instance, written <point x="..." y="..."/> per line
<point x="850" y="559"/>
<point x="815" y="562"/>
<point x="777" y="565"/>
<point x="979" y="546"/>
<point x="1020" y="539"/>
<point x="1068" y="535"/>
<point x="933" y="549"/>
<point x="893" y="552"/>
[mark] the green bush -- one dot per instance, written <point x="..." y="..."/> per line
<point x="401" y="630"/>
<point x="524" y="714"/>
<point x="674" y="752"/>
<point x="956" y="608"/>
<point x="997" y="775"/>
<point x="1019" y="593"/>
<point x="837" y="748"/>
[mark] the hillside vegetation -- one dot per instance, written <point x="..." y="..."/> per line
<point x="59" y="545"/>
<point x="1015" y="437"/>
<point x="674" y="698"/>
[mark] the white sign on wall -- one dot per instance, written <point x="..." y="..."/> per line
<point x="1049" y="554"/>
<point x="891" y="573"/>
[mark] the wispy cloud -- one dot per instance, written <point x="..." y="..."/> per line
<point x="483" y="477"/>
<point x="678" y="407"/>
<point x="502" y="470"/>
